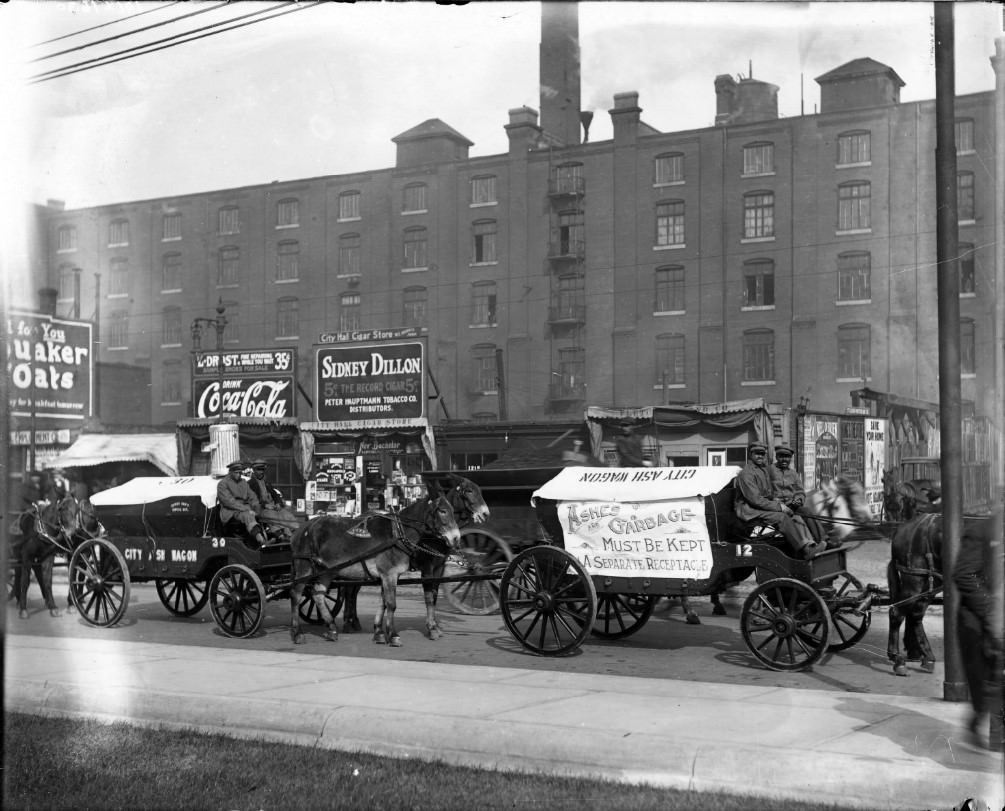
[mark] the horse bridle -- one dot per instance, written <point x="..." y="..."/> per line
<point x="42" y="526"/>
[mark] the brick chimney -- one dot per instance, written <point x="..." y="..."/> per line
<point x="522" y="130"/>
<point x="560" y="72"/>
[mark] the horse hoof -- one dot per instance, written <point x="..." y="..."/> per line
<point x="718" y="611"/>
<point x="692" y="619"/>
<point x="900" y="670"/>
<point x="928" y="665"/>
<point x="379" y="639"/>
<point x="435" y="633"/>
<point x="298" y="639"/>
<point x="55" y="612"/>
<point x="330" y="636"/>
<point x="395" y="641"/>
<point x="23" y="614"/>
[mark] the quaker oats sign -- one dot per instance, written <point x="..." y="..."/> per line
<point x="253" y="383"/>
<point x="50" y="366"/>
<point x="370" y="382"/>
<point x="665" y="539"/>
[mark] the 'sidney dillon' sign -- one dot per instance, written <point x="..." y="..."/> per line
<point x="253" y="383"/>
<point x="666" y="539"/>
<point x="370" y="382"/>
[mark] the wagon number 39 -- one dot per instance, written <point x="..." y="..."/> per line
<point x="218" y="542"/>
<point x="744" y="550"/>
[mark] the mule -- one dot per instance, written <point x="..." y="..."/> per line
<point x="469" y="506"/>
<point x="839" y="510"/>
<point x="45" y="530"/>
<point x="384" y="545"/>
<point x="903" y="500"/>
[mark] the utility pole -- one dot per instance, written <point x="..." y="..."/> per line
<point x="954" y="687"/>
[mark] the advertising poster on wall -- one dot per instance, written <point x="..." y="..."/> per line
<point x="370" y="382"/>
<point x="851" y="446"/>
<point x="252" y="383"/>
<point x="875" y="463"/>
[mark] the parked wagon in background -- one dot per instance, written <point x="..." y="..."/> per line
<point x="621" y="538"/>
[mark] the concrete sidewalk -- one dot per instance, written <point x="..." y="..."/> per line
<point x="859" y="750"/>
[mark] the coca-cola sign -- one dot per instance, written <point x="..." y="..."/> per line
<point x="245" y="397"/>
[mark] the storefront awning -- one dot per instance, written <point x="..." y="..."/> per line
<point x="89" y="450"/>
<point x="413" y="426"/>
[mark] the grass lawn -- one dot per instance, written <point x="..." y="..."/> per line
<point x="59" y="763"/>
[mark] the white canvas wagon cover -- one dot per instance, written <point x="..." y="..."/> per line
<point x="158" y="506"/>
<point x="147" y="489"/>
<point x="634" y="522"/>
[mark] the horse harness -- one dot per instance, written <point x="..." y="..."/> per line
<point x="930" y="572"/>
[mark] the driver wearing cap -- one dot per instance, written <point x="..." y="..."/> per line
<point x="238" y="502"/>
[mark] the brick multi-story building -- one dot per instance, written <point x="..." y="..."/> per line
<point x="778" y="258"/>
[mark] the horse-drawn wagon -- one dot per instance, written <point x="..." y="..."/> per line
<point x="621" y="538"/>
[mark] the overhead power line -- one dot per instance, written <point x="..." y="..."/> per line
<point x="170" y="42"/>
<point x="104" y="25"/>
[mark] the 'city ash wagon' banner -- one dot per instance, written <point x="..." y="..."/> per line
<point x="49" y="362"/>
<point x="667" y="539"/>
<point x="255" y="383"/>
<point x="370" y="382"/>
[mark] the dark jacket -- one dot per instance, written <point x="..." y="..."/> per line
<point x="236" y="497"/>
<point x="787" y="486"/>
<point x="754" y="493"/>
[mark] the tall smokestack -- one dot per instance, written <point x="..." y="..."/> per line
<point x="559" y="66"/>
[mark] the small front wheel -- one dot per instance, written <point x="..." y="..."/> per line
<point x="237" y="600"/>
<point x="784" y="624"/>
<point x="548" y="600"/>
<point x="480" y="552"/>
<point x="183" y="598"/>
<point x="99" y="582"/>
<point x="621" y="615"/>
<point x="847" y="622"/>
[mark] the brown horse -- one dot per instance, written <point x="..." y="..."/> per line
<point x="381" y="545"/>
<point x="469" y="506"/>
<point x="45" y="530"/>
<point x="903" y="500"/>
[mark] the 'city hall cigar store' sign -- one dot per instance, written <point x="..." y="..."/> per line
<point x="370" y="382"/>
<point x="247" y="383"/>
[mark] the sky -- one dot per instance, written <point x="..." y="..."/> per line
<point x="322" y="90"/>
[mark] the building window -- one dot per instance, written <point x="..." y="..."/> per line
<point x="964" y="135"/>
<point x="570" y="301"/>
<point x="171" y="383"/>
<point x="415" y="248"/>
<point x="228" y="268"/>
<point x="670" y="360"/>
<point x="118" y="330"/>
<point x="348" y="255"/>
<point x="484" y="371"/>
<point x="67" y="288"/>
<point x="670" y="289"/>
<point x="288" y="261"/>
<point x="854" y="349"/>
<point x="414" y="304"/>
<point x="348" y="205"/>
<point x="171" y="272"/>
<point x="171" y="227"/>
<point x="67" y="238"/>
<point x="568" y="179"/>
<point x="854" y="206"/>
<point x="758" y="215"/>
<point x="228" y="220"/>
<point x="669" y="169"/>
<point x="232" y="331"/>
<point x="758" y="355"/>
<point x="968" y="357"/>
<point x="414" y="198"/>
<point x="571" y="372"/>
<point x="570" y="233"/>
<point x="171" y="326"/>
<point x="118" y="277"/>
<point x="759" y="159"/>
<point x="288" y="213"/>
<point x="854" y="148"/>
<point x="483" y="190"/>
<point x="854" y="276"/>
<point x="349" y="312"/>
<point x="670" y="223"/>
<point x="483" y="304"/>
<point x="287" y="317"/>
<point x="965" y="196"/>
<point x="484" y="241"/>
<point x="968" y="276"/>
<point x="759" y="283"/>
<point x="118" y="233"/>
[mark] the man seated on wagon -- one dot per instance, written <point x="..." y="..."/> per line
<point x="787" y="487"/>
<point x="239" y="503"/>
<point x="756" y="504"/>
<point x="268" y="496"/>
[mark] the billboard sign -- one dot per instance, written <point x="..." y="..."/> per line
<point x="50" y="366"/>
<point x="253" y="383"/>
<point x="372" y="382"/>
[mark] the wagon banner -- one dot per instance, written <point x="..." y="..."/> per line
<point x="664" y="539"/>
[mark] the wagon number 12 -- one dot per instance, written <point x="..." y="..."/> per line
<point x="218" y="542"/>
<point x="744" y="550"/>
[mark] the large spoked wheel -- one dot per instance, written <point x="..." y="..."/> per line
<point x="99" y="582"/>
<point x="183" y="598"/>
<point x="237" y="600"/>
<point x="309" y="611"/>
<point x="784" y="624"/>
<point x="849" y="625"/>
<point x="621" y="615"/>
<point x="548" y="600"/>
<point x="481" y="552"/>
